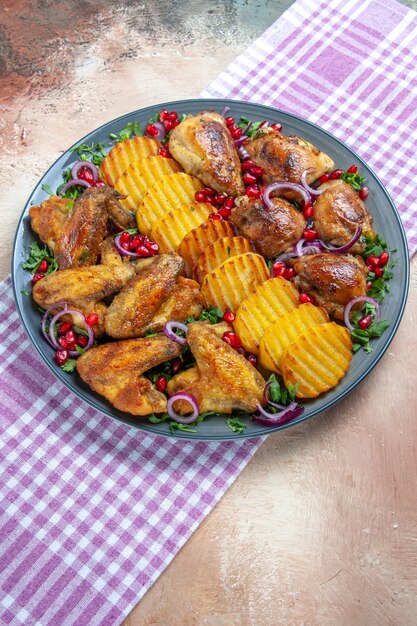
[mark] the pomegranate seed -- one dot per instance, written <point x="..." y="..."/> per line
<point x="70" y="336"/>
<point x="256" y="171"/>
<point x="173" y="116"/>
<point x="369" y="285"/>
<point x="252" y="358"/>
<point x="276" y="126"/>
<point x="232" y="339"/>
<point x="383" y="259"/>
<point x="61" y="357"/>
<point x="86" y="174"/>
<point x="176" y="365"/>
<point x="91" y="319"/>
<point x="335" y="175"/>
<point x="209" y="191"/>
<point x="236" y="132"/>
<point x="161" y="383"/>
<point x="304" y="298"/>
<point x="124" y="237"/>
<point x="37" y="277"/>
<point x="200" y="196"/>
<point x="136" y="241"/>
<point x="99" y="183"/>
<point x="82" y="341"/>
<point x="364" y="192"/>
<point x="308" y="211"/>
<point x="215" y="216"/>
<point x="229" y="317"/>
<point x="230" y="121"/>
<point x="164" y="115"/>
<point x="288" y="273"/>
<point x="43" y="266"/>
<point x="309" y="234"/>
<point x="209" y="200"/>
<point x="225" y="211"/>
<point x="64" y="327"/>
<point x="219" y="199"/>
<point x="378" y="271"/>
<point x="247" y="165"/>
<point x="249" y="179"/>
<point x="168" y="125"/>
<point x="230" y="202"/>
<point x="142" y="252"/>
<point x="63" y="343"/>
<point x="353" y="169"/>
<point x="175" y="124"/>
<point x="263" y="124"/>
<point x="278" y="269"/>
<point x="365" y="322"/>
<point x="164" y="153"/>
<point x="253" y="191"/>
<point x="125" y="245"/>
<point x="151" y="130"/>
<point x="323" y="179"/>
<point x="152" y="247"/>
<point x="372" y="261"/>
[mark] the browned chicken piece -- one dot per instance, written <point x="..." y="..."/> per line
<point x="222" y="380"/>
<point x="272" y="230"/>
<point x="82" y="288"/>
<point x="49" y="218"/>
<point x="155" y="295"/>
<point x="338" y="212"/>
<point x="332" y="279"/>
<point x="285" y="158"/>
<point x="86" y="227"/>
<point x="115" y="370"/>
<point x="203" y="146"/>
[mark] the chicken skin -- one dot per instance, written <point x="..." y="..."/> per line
<point x="203" y="146"/>
<point x="222" y="380"/>
<point x="156" y="294"/>
<point x="338" y="212"/>
<point x="332" y="279"/>
<point x="115" y="370"/>
<point x="272" y="230"/>
<point x="49" y="218"/>
<point x="285" y="158"/>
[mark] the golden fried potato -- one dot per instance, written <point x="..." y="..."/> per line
<point x="169" y="192"/>
<point x="123" y="154"/>
<point x="173" y="226"/>
<point x="285" y="330"/>
<point x="142" y="174"/>
<point x="317" y="360"/>
<point x="219" y="251"/>
<point x="196" y="241"/>
<point x="231" y="282"/>
<point x="269" y="301"/>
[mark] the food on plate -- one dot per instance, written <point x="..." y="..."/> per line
<point x="317" y="359"/>
<point x="115" y="370"/>
<point x="231" y="282"/>
<point x="123" y="154"/>
<point x="202" y="144"/>
<point x="268" y="302"/>
<point x="219" y="251"/>
<point x="273" y="230"/>
<point x="174" y="225"/>
<point x="196" y="241"/>
<point x="285" y="330"/>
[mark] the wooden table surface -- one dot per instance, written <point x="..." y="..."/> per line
<point x="320" y="528"/>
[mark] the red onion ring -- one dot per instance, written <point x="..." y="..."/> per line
<point x="122" y="251"/>
<point x="345" y="247"/>
<point x="286" y="256"/>
<point x="183" y="419"/>
<point x="247" y="127"/>
<point x="311" y="190"/>
<point x="243" y="153"/>
<point x="268" y="400"/>
<point x="161" y="131"/>
<point x="52" y="341"/>
<point x="74" y="181"/>
<point x="290" y="412"/>
<point x="88" y="164"/>
<point x="312" y="247"/>
<point x="280" y="187"/>
<point x="354" y="301"/>
<point x="168" y="330"/>
<point x="50" y="337"/>
<point x="240" y="141"/>
<point x="225" y="111"/>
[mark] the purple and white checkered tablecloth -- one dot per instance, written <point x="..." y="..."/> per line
<point x="91" y="510"/>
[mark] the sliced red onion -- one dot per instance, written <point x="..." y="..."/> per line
<point x="50" y="337"/>
<point x="281" y="187"/>
<point x="267" y="398"/>
<point x="348" y="308"/>
<point x="183" y="419"/>
<point x="225" y="111"/>
<point x="74" y="181"/>
<point x="169" y="331"/>
<point x="290" y="412"/>
<point x="243" y="153"/>
<point x="344" y="248"/>
<point x="286" y="256"/>
<point x="310" y="190"/>
<point x="161" y="131"/>
<point x="247" y="127"/>
<point x="52" y="341"/>
<point x="312" y="247"/>
<point x="122" y="251"/>
<point x="88" y="164"/>
<point x="240" y="141"/>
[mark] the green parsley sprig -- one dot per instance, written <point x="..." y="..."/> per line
<point x="37" y="254"/>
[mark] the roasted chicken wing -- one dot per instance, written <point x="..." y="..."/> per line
<point x="332" y="279"/>
<point x="222" y="380"/>
<point x="156" y="294"/>
<point x="115" y="370"/>
<point x="285" y="158"/>
<point x="338" y="212"/>
<point x="203" y="146"/>
<point x="49" y="218"/>
<point x="272" y="230"/>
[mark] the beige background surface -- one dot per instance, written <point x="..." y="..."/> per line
<point x="320" y="529"/>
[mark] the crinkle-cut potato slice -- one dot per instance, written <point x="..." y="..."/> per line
<point x="285" y="330"/>
<point x="142" y="174"/>
<point x="173" y="226"/>
<point x="231" y="282"/>
<point x="219" y="251"/>
<point x="123" y="154"/>
<point x="270" y="300"/>
<point x="170" y="192"/>
<point x="317" y="360"/>
<point x="194" y="244"/>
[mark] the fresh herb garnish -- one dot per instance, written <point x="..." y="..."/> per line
<point x="361" y="338"/>
<point x="235" y="424"/>
<point x="46" y="188"/>
<point x="175" y="426"/>
<point x="24" y="292"/>
<point x="132" y="129"/>
<point x="154" y="118"/>
<point x="69" y="366"/>
<point x="212" y="315"/>
<point x="279" y="393"/>
<point x="93" y="153"/>
<point x="36" y="256"/>
<point x="354" y="179"/>
<point x="157" y="419"/>
<point x="243" y="122"/>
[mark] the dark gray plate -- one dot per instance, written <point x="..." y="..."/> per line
<point x="386" y="221"/>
